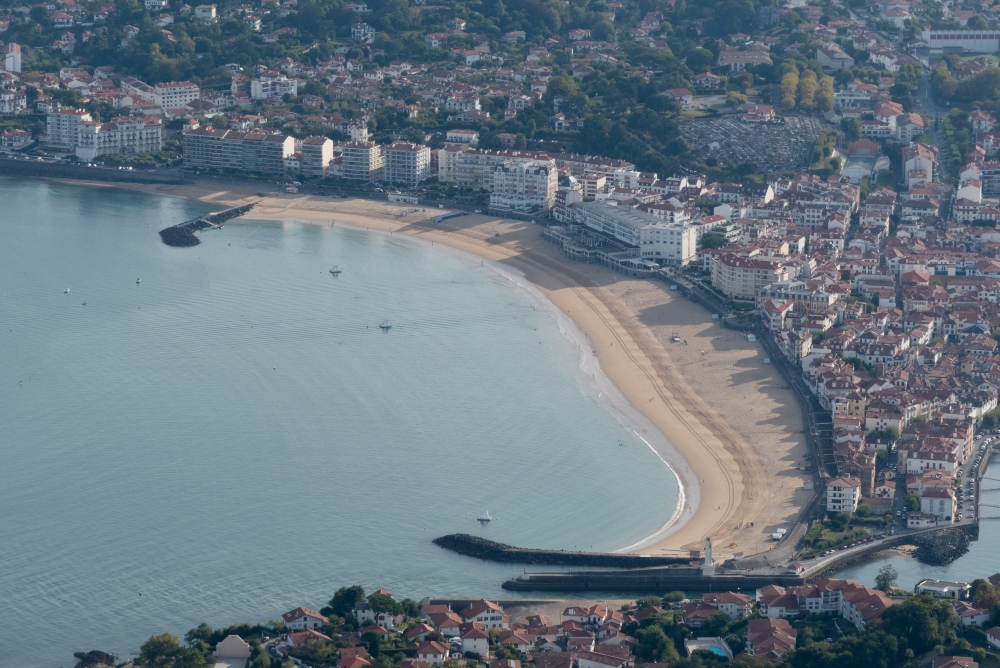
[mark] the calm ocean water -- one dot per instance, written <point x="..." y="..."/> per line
<point x="235" y="436"/>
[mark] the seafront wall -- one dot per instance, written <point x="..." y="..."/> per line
<point x="64" y="170"/>
<point x="487" y="550"/>
<point x="647" y="580"/>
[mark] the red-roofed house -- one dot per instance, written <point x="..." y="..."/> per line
<point x="432" y="652"/>
<point x="301" y="619"/>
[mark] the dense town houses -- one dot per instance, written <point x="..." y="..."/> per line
<point x="764" y="623"/>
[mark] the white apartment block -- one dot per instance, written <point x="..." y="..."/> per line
<point x="175" y="94"/>
<point x="475" y="168"/>
<point x="124" y="135"/>
<point x="13" y="100"/>
<point x="524" y="186"/>
<point x="668" y="243"/>
<point x="843" y="495"/>
<point x="12" y="57"/>
<point x="407" y="163"/>
<point x="61" y="128"/>
<point x="317" y="153"/>
<point x="448" y="162"/>
<point x="363" y="161"/>
<point x="739" y="276"/>
<point x="619" y="222"/>
<point x="273" y="86"/>
<point x="205" y="13"/>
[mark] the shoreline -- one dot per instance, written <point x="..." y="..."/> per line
<point x="599" y="387"/>
<point x="726" y="481"/>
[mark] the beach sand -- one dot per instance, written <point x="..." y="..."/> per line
<point x="737" y="431"/>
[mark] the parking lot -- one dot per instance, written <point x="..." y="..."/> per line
<point x="771" y="146"/>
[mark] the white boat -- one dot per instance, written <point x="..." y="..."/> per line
<point x="66" y="291"/>
<point x="385" y="326"/>
<point x="485" y="517"/>
<point x="138" y="281"/>
<point x="84" y="304"/>
<point x="335" y="271"/>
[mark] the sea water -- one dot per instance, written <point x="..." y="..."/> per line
<point x="235" y="436"/>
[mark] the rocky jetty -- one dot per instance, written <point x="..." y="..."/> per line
<point x="182" y="235"/>
<point x="939" y="548"/>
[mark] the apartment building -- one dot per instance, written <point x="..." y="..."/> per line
<point x="257" y="152"/>
<point x="61" y="128"/>
<point x="524" y="186"/>
<point x="275" y="85"/>
<point x="622" y="223"/>
<point x="668" y="243"/>
<point x="363" y="161"/>
<point x="475" y="169"/>
<point x="739" y="276"/>
<point x="317" y="153"/>
<point x="175" y="94"/>
<point x="123" y="135"/>
<point x="407" y="163"/>
<point x="448" y="162"/>
<point x="12" y="57"/>
<point x="843" y="495"/>
<point x="578" y="164"/>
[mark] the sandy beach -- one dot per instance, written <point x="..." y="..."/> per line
<point x="735" y="431"/>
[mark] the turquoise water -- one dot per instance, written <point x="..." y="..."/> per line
<point x="235" y="436"/>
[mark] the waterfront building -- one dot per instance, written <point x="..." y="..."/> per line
<point x="407" y="163"/>
<point x="668" y="243"/>
<point x="362" y="161"/>
<point x="317" y="152"/>
<point x="740" y="276"/>
<point x="944" y="589"/>
<point x="254" y="152"/>
<point x="578" y="164"/>
<point x="486" y="612"/>
<point x="61" y="128"/>
<point x="622" y="223"/>
<point x="123" y="135"/>
<point x="524" y="186"/>
<point x="476" y="168"/>
<point x="301" y="619"/>
<point x="843" y="495"/>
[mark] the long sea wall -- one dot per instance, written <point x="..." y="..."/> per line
<point x="487" y="550"/>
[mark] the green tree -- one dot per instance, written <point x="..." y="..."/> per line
<point x="912" y="502"/>
<point x="713" y="240"/>
<point x="343" y="600"/>
<point x="699" y="60"/>
<point x="385" y="603"/>
<point x="655" y="646"/>
<point x="165" y="651"/>
<point x="807" y="90"/>
<point x="922" y="622"/>
<point x="851" y="128"/>
<point x="824" y="96"/>
<point x="735" y="99"/>
<point x="789" y="85"/>
<point x="886" y="578"/>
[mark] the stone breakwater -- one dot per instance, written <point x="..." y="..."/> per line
<point x="182" y="235"/>
<point x="487" y="550"/>
<point x="940" y="548"/>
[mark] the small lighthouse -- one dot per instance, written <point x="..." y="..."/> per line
<point x="707" y="569"/>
